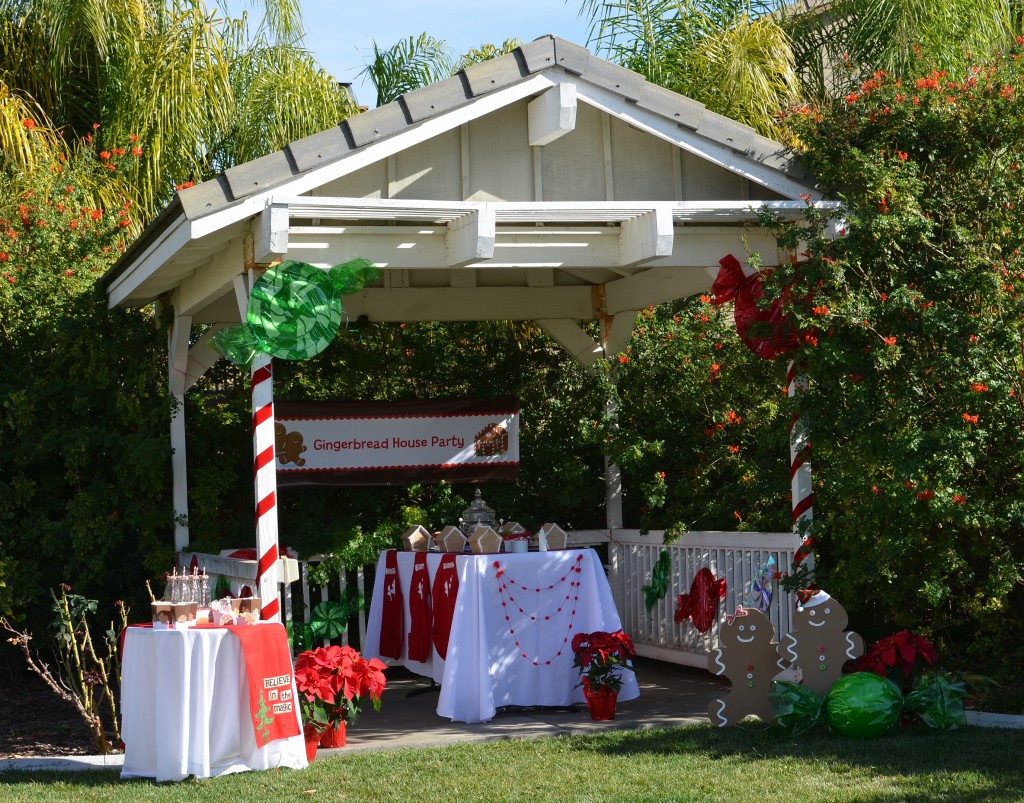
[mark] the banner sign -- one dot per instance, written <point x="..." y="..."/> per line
<point x="385" y="443"/>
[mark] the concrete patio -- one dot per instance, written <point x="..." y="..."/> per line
<point x="670" y="696"/>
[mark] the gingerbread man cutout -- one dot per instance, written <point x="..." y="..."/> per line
<point x="288" y="445"/>
<point x="748" y="655"/>
<point x="819" y="646"/>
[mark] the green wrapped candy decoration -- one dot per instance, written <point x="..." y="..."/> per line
<point x="863" y="705"/>
<point x="294" y="311"/>
<point x="352" y="277"/>
<point x="659" y="580"/>
<point x="236" y="343"/>
<point x="938" y="702"/>
<point x="797" y="707"/>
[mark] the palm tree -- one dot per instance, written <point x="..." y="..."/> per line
<point x="407" y="65"/>
<point x="750" y="59"/>
<point x="731" y="55"/>
<point x="191" y="87"/>
<point x="838" y="43"/>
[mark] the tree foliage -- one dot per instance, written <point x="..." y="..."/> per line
<point x="914" y="345"/>
<point x="83" y="406"/>
<point x="198" y="90"/>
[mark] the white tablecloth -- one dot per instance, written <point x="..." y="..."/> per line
<point x="485" y="669"/>
<point x="185" y="708"/>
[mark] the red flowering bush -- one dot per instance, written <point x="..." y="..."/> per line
<point x="601" y="657"/>
<point x="900" y="657"/>
<point x="332" y="682"/>
<point x="913" y="408"/>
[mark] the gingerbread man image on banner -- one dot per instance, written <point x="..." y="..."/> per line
<point x="748" y="655"/>
<point x="819" y="644"/>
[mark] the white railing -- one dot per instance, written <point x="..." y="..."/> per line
<point x="733" y="556"/>
<point x="240" y="573"/>
<point x="736" y="557"/>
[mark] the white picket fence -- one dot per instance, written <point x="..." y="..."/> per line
<point x="630" y="560"/>
<point x="733" y="556"/>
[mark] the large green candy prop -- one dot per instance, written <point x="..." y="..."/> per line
<point x="863" y="705"/>
<point x="294" y="311"/>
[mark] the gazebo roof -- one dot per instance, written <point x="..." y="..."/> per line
<point x="546" y="184"/>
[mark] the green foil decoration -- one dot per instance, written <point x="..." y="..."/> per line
<point x="797" y="708"/>
<point x="236" y="343"/>
<point x="659" y="580"/>
<point x="863" y="705"/>
<point x="938" y="701"/>
<point x="352" y="277"/>
<point x="294" y="311"/>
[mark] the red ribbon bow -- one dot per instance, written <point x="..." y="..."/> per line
<point x="776" y="335"/>
<point x="732" y="617"/>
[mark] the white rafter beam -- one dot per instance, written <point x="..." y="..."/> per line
<point x="201" y="356"/>
<point x="470" y="303"/>
<point x="654" y="286"/>
<point x="470" y="238"/>
<point x="646" y="236"/>
<point x="552" y="115"/>
<point x="574" y="341"/>
<point x="270" y="232"/>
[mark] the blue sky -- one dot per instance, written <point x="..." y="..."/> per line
<point x="340" y="32"/>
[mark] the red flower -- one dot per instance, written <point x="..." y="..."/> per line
<point x="926" y="495"/>
<point x="331" y="682"/>
<point x="979" y="387"/>
<point x="959" y="498"/>
<point x="29" y="123"/>
<point x="104" y="155"/>
<point x="970" y="419"/>
<point x="889" y="341"/>
<point x="898" y="657"/>
<point x="600" y="657"/>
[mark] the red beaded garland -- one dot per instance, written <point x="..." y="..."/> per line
<point x="504" y="589"/>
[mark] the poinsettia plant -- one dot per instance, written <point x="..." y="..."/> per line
<point x="901" y="657"/>
<point x="332" y="683"/>
<point x="600" y="658"/>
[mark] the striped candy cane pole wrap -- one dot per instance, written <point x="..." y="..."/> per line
<point x="265" y="475"/>
<point x="800" y="474"/>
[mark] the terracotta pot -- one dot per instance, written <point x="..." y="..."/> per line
<point x="601" y="703"/>
<point x="312" y="737"/>
<point x="333" y="735"/>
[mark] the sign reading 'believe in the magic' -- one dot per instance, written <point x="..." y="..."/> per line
<point x="383" y="443"/>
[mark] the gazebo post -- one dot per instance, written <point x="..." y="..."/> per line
<point x="265" y="476"/>
<point x="177" y="359"/>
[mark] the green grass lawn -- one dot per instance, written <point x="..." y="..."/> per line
<point x="703" y="763"/>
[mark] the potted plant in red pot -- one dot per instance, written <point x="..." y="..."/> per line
<point x="332" y="683"/>
<point x="600" y="659"/>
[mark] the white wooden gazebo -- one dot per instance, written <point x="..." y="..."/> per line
<point x="546" y="185"/>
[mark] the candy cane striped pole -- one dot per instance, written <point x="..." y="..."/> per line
<point x="800" y="474"/>
<point x="265" y="475"/>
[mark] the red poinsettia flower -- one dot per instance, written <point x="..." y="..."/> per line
<point x="332" y="681"/>
<point x="600" y="657"/>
